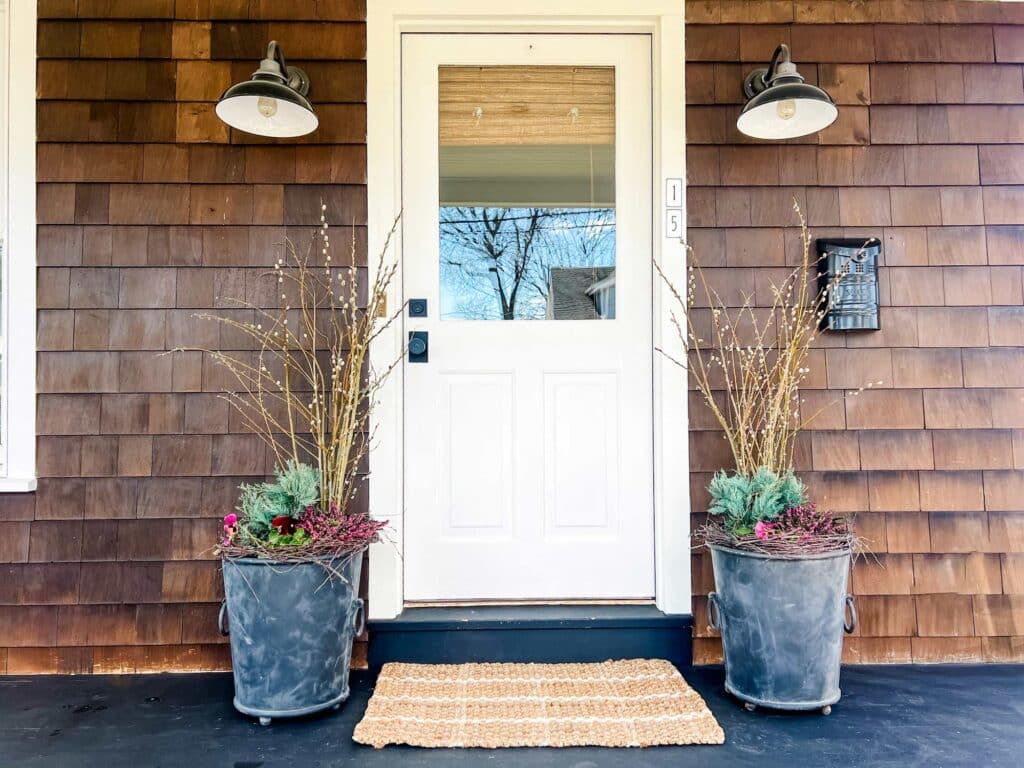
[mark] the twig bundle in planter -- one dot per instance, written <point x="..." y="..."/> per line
<point x="748" y="364"/>
<point x="308" y="390"/>
<point x="783" y="544"/>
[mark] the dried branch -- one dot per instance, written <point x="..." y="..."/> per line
<point x="756" y="359"/>
<point x="309" y="388"/>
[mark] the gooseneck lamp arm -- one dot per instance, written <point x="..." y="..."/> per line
<point x="781" y="68"/>
<point x="274" y="53"/>
<point x="274" y="65"/>
<point x="781" y="56"/>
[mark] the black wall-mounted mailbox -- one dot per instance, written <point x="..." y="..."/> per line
<point x="848" y="270"/>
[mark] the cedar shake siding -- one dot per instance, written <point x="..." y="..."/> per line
<point x="151" y="210"/>
<point x="927" y="155"/>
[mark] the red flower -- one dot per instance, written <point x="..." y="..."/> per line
<point x="284" y="525"/>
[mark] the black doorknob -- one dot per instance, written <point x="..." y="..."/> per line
<point x="418" y="346"/>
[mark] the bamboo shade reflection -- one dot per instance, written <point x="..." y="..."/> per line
<point x="503" y="105"/>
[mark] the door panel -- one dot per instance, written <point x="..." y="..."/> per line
<point x="479" y="495"/>
<point x="526" y="184"/>
<point x="581" y="453"/>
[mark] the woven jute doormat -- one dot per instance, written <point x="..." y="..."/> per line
<point x="633" y="703"/>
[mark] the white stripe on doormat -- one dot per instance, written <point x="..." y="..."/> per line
<point x="527" y="680"/>
<point x="516" y="720"/>
<point x="554" y="697"/>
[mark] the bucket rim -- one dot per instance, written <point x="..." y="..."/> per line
<point x="834" y="555"/>
<point x="314" y="560"/>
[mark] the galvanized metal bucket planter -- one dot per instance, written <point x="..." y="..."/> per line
<point x="291" y="627"/>
<point x="782" y="622"/>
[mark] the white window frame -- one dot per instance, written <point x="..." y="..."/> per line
<point x="387" y="20"/>
<point x="18" y="231"/>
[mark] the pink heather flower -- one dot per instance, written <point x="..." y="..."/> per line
<point x="761" y="530"/>
<point x="340" y="530"/>
<point x="807" y="522"/>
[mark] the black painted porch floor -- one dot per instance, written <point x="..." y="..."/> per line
<point x="889" y="716"/>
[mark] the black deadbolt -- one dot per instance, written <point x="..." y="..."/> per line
<point x="417" y="307"/>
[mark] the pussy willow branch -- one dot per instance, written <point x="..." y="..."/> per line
<point x="755" y="359"/>
<point x="309" y="388"/>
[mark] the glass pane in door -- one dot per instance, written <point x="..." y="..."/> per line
<point x="527" y="192"/>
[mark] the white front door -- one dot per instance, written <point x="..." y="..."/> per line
<point x="526" y="188"/>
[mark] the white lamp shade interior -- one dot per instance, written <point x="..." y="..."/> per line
<point x="266" y="116"/>
<point x="787" y="118"/>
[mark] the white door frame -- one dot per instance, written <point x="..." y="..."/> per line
<point x="387" y="20"/>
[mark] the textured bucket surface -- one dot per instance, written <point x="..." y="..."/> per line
<point x="782" y="626"/>
<point x="292" y="627"/>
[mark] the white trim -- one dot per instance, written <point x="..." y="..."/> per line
<point x="17" y="484"/>
<point x="18" y="457"/>
<point x="387" y="20"/>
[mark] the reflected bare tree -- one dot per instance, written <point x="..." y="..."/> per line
<point x="495" y="261"/>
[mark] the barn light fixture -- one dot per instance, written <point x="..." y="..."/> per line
<point x="780" y="105"/>
<point x="273" y="102"/>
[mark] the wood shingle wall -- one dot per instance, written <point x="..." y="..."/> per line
<point x="149" y="211"/>
<point x="928" y="155"/>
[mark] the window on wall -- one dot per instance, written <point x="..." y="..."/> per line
<point x="17" y="246"/>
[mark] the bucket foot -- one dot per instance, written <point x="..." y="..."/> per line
<point x="827" y="709"/>
<point x="264" y="721"/>
<point x="749" y="706"/>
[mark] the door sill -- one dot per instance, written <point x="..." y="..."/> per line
<point x="531" y="633"/>
<point x="517" y="603"/>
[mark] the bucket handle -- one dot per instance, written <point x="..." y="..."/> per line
<point x="359" y="619"/>
<point x="714" y="613"/>
<point x="221" y="616"/>
<point x="851" y="609"/>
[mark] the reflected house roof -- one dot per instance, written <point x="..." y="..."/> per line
<point x="571" y="291"/>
